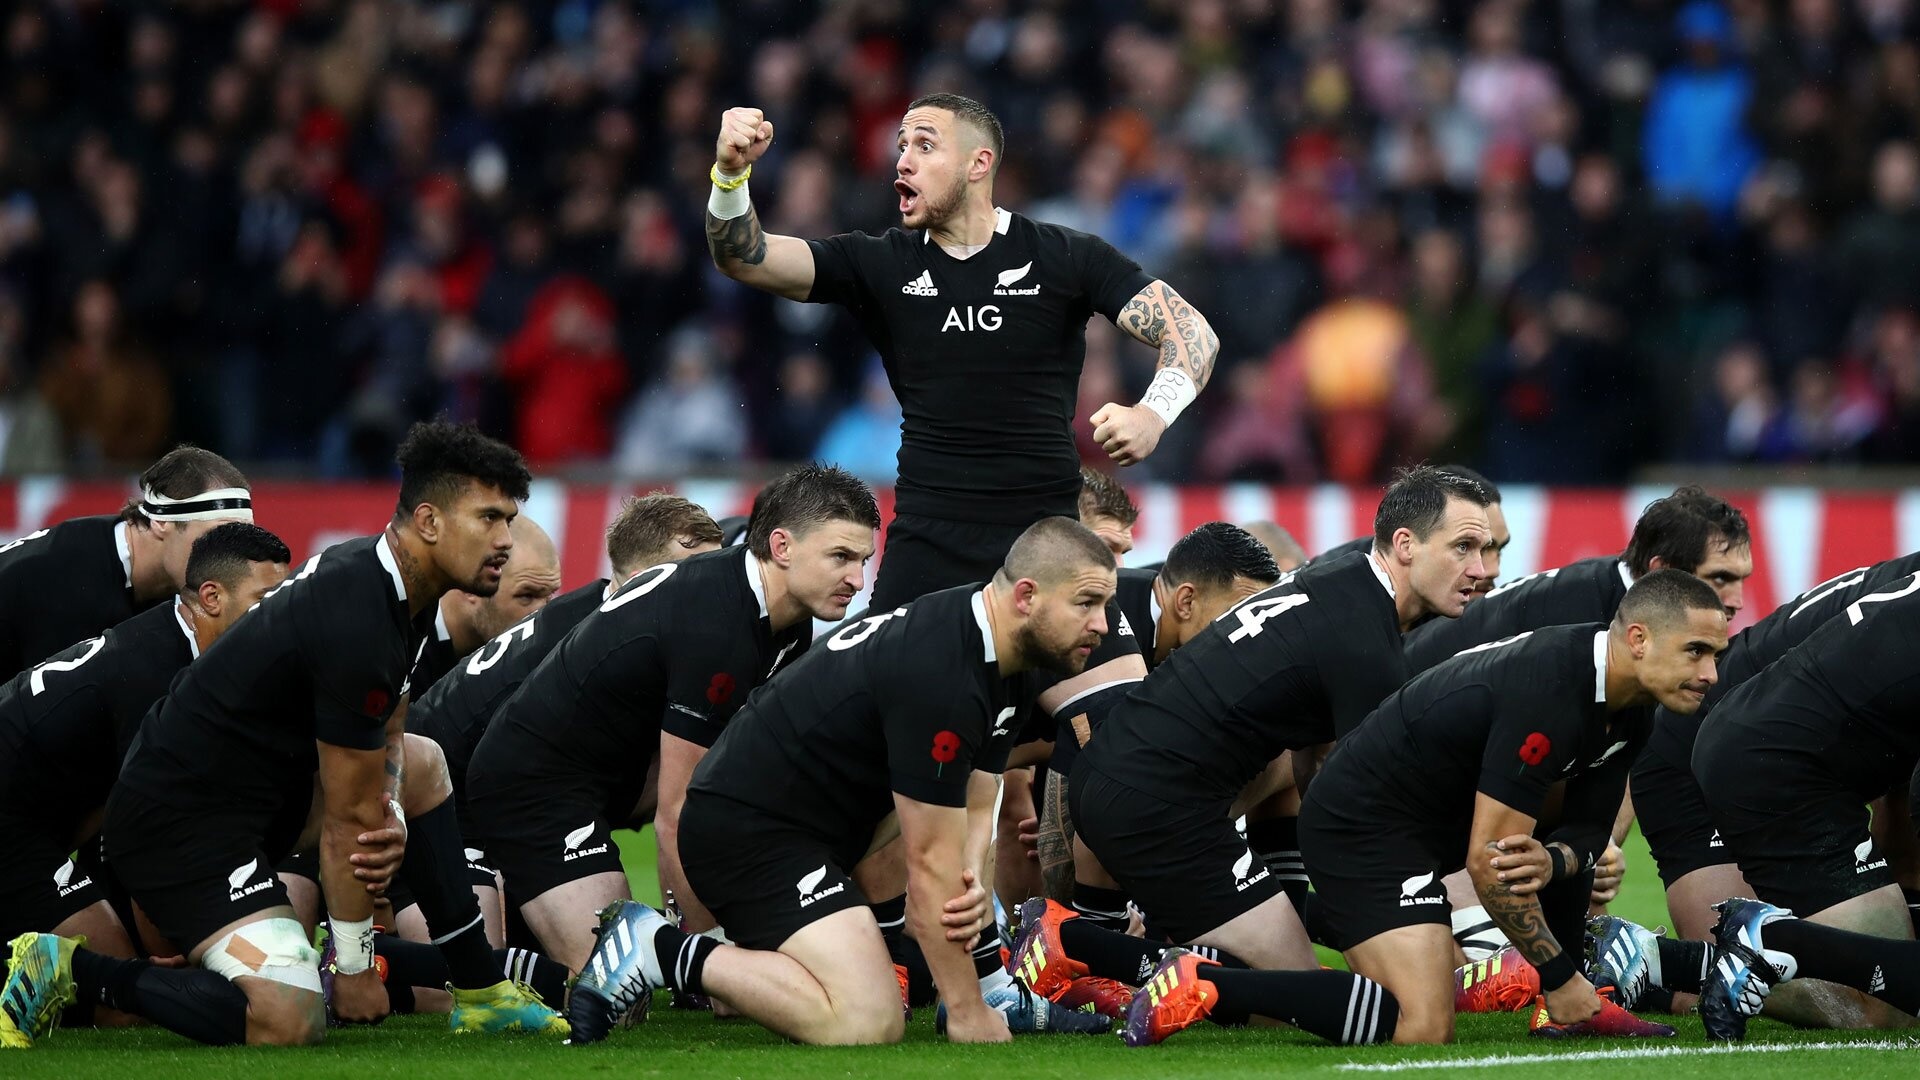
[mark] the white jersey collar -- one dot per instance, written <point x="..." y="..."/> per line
<point x="986" y="628"/>
<point x="1626" y="575"/>
<point x="180" y="618"/>
<point x="1380" y="574"/>
<point x="123" y="548"/>
<point x="440" y="628"/>
<point x="1002" y="220"/>
<point x="1600" y="668"/>
<point x="384" y="549"/>
<point x="756" y="581"/>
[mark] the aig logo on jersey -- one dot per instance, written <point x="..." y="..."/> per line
<point x="967" y="319"/>
<point x="807" y="885"/>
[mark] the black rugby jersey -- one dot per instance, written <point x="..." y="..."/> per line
<point x="909" y="701"/>
<point x="1759" y="645"/>
<point x="455" y="712"/>
<point x="324" y="657"/>
<point x="1294" y="665"/>
<point x="66" y="722"/>
<point x="984" y="354"/>
<point x="1848" y="694"/>
<point x="1586" y="591"/>
<point x="1510" y="719"/>
<point x="61" y="585"/>
<point x="678" y="648"/>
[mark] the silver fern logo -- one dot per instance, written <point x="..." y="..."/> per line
<point x="1002" y="286"/>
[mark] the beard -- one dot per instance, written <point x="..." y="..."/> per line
<point x="1061" y="660"/>
<point x="937" y="209"/>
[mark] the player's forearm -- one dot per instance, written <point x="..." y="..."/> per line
<point x="1189" y="348"/>
<point x="983" y="821"/>
<point x="396" y="766"/>
<point x="346" y="897"/>
<point x="1054" y="843"/>
<point x="694" y="916"/>
<point x="1519" y="917"/>
<point x="933" y="875"/>
<point x="738" y="244"/>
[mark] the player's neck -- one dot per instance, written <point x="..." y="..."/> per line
<point x="968" y="232"/>
<point x="1008" y="657"/>
<point x="204" y="632"/>
<point x="1408" y="608"/>
<point x="424" y="584"/>
<point x="782" y="609"/>
<point x="1624" y="689"/>
<point x="149" y="573"/>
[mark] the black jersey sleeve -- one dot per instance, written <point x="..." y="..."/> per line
<point x="355" y="689"/>
<point x="1524" y="754"/>
<point x="935" y="743"/>
<point x="837" y="273"/>
<point x="697" y="690"/>
<point x="1109" y="278"/>
<point x="1593" y="799"/>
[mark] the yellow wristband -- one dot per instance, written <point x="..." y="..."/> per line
<point x="723" y="184"/>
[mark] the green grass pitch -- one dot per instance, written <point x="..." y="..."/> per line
<point x="685" y="1045"/>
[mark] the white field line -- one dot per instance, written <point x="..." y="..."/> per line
<point x="1634" y="1053"/>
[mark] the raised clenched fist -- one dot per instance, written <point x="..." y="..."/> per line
<point x="745" y="134"/>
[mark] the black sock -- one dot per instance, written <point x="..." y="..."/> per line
<point x="1218" y="956"/>
<point x="1110" y="954"/>
<point x="436" y="871"/>
<point x="1886" y="968"/>
<point x="906" y="952"/>
<point x="1683" y="964"/>
<point x="1276" y="842"/>
<point x="1101" y="907"/>
<point x="986" y="954"/>
<point x="547" y="978"/>
<point x="1335" y="1005"/>
<point x="1313" y="916"/>
<point x="683" y="957"/>
<point x="1913" y="907"/>
<point x="892" y="917"/>
<point x="193" y="1002"/>
<point x="1654" y="999"/>
<point x="409" y="964"/>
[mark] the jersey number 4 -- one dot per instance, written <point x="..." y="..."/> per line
<point x="1254" y="613"/>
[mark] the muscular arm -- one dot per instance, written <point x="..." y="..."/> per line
<point x="677" y="760"/>
<point x="353" y="793"/>
<point x="1519" y="916"/>
<point x="1162" y="318"/>
<point x="396" y="755"/>
<point x="742" y="250"/>
<point x="937" y="839"/>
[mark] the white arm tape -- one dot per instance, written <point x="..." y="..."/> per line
<point x="727" y="205"/>
<point x="352" y="945"/>
<point x="1169" y="393"/>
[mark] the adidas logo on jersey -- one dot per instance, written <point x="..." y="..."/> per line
<point x="63" y="879"/>
<point x="1863" y="859"/>
<point x="571" y="844"/>
<point x="808" y="884"/>
<point x="921" y="286"/>
<point x="1242" y="868"/>
<point x="1411" y="889"/>
<point x="237" y="887"/>
<point x="1002" y="286"/>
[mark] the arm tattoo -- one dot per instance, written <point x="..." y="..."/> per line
<point x="1522" y="919"/>
<point x="1056" y="842"/>
<point x="396" y="766"/>
<point x="736" y="240"/>
<point x="1190" y="349"/>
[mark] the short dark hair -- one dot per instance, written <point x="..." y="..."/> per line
<point x="182" y="472"/>
<point x="223" y="553"/>
<point x="1663" y="597"/>
<point x="1102" y="496"/>
<point x="806" y="496"/>
<point x="1279" y="542"/>
<point x="1214" y="554"/>
<point x="1051" y="549"/>
<point x="1677" y="529"/>
<point x="1486" y="485"/>
<point x="1417" y="500"/>
<point x="640" y="534"/>
<point x="439" y="458"/>
<point x="968" y="111"/>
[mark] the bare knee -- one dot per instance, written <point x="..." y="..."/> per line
<point x="428" y="782"/>
<point x="1412" y="1030"/>
<point x="868" y="1027"/>
<point x="286" y="1021"/>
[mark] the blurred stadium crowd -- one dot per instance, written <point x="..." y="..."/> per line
<point x="1557" y="239"/>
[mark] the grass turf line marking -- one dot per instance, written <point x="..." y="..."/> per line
<point x="1624" y="1055"/>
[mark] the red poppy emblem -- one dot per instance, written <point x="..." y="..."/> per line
<point x="946" y="746"/>
<point x="376" y="703"/>
<point x="1535" y="749"/>
<point x="720" y="690"/>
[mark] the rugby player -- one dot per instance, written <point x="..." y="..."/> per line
<point x="465" y="621"/>
<point x="1497" y="541"/>
<point x="1787" y="764"/>
<point x="1154" y="796"/>
<point x="66" y="723"/>
<point x="220" y="783"/>
<point x="1107" y="509"/>
<point x="1452" y="771"/>
<point x="909" y="713"/>
<point x="660" y="668"/>
<point x="62" y="584"/>
<point x="979" y="315"/>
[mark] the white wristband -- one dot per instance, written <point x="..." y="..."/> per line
<point x="352" y="945"/>
<point x="727" y="205"/>
<point x="1168" y="393"/>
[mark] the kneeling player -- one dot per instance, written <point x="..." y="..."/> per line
<point x="1453" y="769"/>
<point x="909" y="712"/>
<point x="1787" y="764"/>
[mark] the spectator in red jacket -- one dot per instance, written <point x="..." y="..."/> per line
<point x="565" y="373"/>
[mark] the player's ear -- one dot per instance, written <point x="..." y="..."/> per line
<point x="1638" y="639"/>
<point x="426" y="522"/>
<point x="1026" y="592"/>
<point x="780" y="547"/>
<point x="1656" y="563"/>
<point x="210" y="597"/>
<point x="1183" y="599"/>
<point x="982" y="165"/>
<point x="1403" y="542"/>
